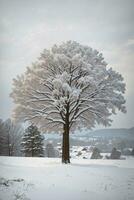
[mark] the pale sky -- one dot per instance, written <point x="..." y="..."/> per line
<point x="29" y="26"/>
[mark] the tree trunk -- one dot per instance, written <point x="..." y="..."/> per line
<point x="65" y="142"/>
<point x="65" y="146"/>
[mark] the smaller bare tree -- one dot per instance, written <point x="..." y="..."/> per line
<point x="2" y="137"/>
<point x="11" y="137"/>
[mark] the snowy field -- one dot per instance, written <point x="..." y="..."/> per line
<point x="48" y="179"/>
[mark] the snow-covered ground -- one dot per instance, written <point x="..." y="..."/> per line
<point x="48" y="179"/>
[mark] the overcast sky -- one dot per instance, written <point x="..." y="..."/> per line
<point x="29" y="26"/>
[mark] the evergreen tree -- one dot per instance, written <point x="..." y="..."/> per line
<point x="96" y="154"/>
<point x="115" y="154"/>
<point x="49" y="150"/>
<point x="32" y="142"/>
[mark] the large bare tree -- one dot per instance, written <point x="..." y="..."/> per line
<point x="70" y="85"/>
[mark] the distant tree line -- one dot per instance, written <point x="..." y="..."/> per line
<point x="115" y="154"/>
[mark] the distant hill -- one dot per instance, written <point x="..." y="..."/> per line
<point x="107" y="133"/>
<point x="86" y="134"/>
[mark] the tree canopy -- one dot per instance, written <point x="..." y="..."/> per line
<point x="69" y="74"/>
